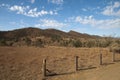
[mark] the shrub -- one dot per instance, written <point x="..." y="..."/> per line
<point x="77" y="43"/>
<point x="90" y="43"/>
<point x="56" y="38"/>
<point x="39" y="43"/>
<point x="64" y="43"/>
<point x="115" y="47"/>
<point x="27" y="41"/>
<point x="3" y="42"/>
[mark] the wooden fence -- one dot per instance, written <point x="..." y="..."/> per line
<point x="45" y="70"/>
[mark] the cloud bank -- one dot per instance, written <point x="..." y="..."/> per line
<point x="56" y="1"/>
<point x="50" y="23"/>
<point x="25" y="10"/>
<point x="91" y="21"/>
<point x="112" y="10"/>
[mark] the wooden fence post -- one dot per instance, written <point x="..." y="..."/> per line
<point x="76" y="62"/>
<point x="113" y="57"/>
<point x="100" y="59"/>
<point x="44" y="68"/>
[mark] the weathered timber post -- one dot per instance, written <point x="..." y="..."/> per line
<point x="100" y="59"/>
<point x="76" y="62"/>
<point x="113" y="57"/>
<point x="44" y="68"/>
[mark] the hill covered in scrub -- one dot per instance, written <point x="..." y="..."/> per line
<point x="52" y="37"/>
<point x="36" y="32"/>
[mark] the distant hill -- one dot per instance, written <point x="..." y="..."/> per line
<point x="36" y="32"/>
<point x="18" y="33"/>
<point x="40" y="37"/>
<point x="51" y="37"/>
<point x="80" y="35"/>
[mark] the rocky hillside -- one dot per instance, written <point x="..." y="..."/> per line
<point x="36" y="32"/>
<point x="51" y="37"/>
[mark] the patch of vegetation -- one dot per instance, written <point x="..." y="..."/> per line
<point x="56" y="38"/>
<point x="28" y="41"/>
<point x="40" y="38"/>
<point x="39" y="43"/>
<point x="90" y="43"/>
<point x="3" y="42"/>
<point x="115" y="47"/>
<point x="77" y="43"/>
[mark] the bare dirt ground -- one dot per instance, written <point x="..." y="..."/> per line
<point x="25" y="63"/>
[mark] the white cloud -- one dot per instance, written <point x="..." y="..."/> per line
<point x="85" y="20"/>
<point x="56" y="1"/>
<point x="84" y="9"/>
<point x="112" y="10"/>
<point x="32" y="1"/>
<point x="35" y="13"/>
<point x="19" y="9"/>
<point x="116" y="4"/>
<point x="25" y="10"/>
<point x="4" y="5"/>
<point x="91" y="21"/>
<point x="48" y="23"/>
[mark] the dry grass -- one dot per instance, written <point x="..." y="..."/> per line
<point x="25" y="63"/>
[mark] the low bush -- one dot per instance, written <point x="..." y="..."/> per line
<point x="115" y="47"/>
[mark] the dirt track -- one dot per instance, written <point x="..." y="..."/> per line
<point x="24" y="63"/>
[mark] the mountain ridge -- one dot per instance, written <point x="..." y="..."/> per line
<point x="31" y="36"/>
<point x="34" y="32"/>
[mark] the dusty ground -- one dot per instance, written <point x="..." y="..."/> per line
<point x="25" y="63"/>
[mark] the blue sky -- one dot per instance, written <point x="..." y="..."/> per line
<point x="96" y="17"/>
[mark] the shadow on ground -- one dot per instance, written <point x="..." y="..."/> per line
<point x="105" y="64"/>
<point x="86" y="68"/>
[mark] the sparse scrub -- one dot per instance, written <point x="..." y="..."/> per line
<point x="77" y="43"/>
<point x="90" y="43"/>
<point x="3" y="42"/>
<point x="64" y="43"/>
<point x="56" y="38"/>
<point x="115" y="47"/>
<point x="27" y="41"/>
<point x="38" y="43"/>
<point x="38" y="37"/>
